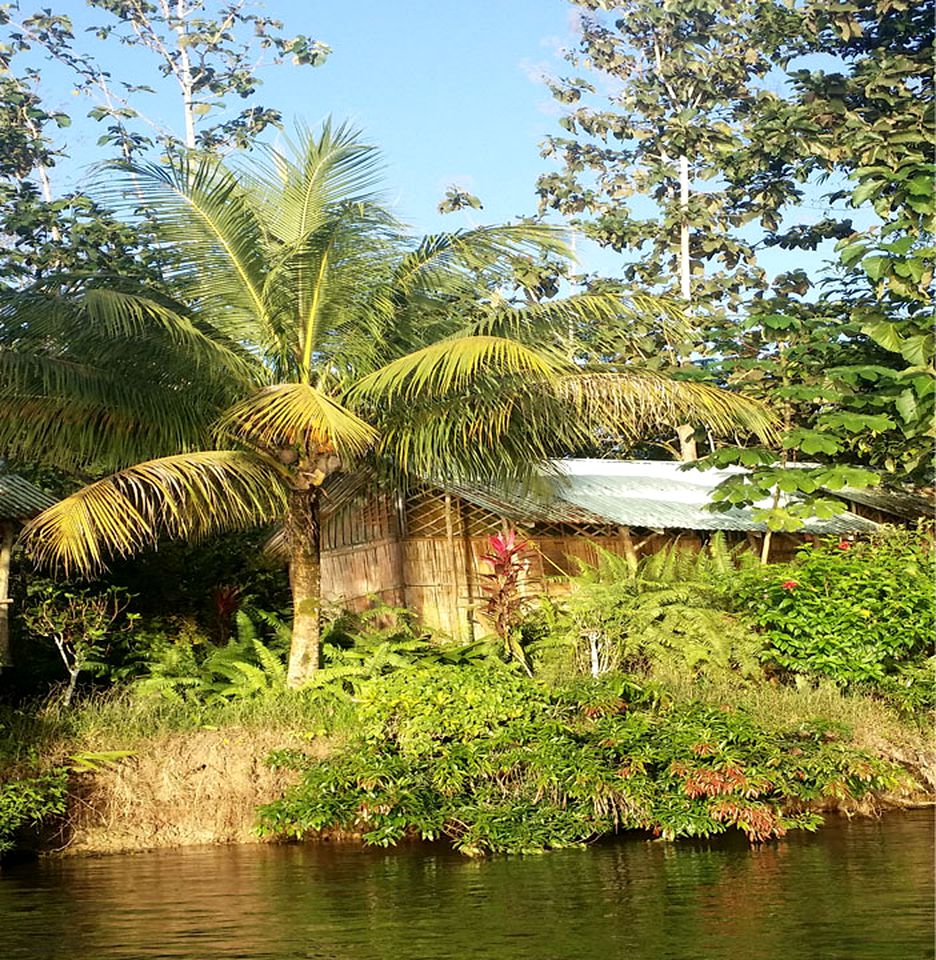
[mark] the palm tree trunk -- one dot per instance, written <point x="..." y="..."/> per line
<point x="305" y="578"/>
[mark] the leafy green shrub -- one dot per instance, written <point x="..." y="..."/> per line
<point x="489" y="759"/>
<point x="80" y="621"/>
<point x="851" y="612"/>
<point x="911" y="688"/>
<point x="417" y="708"/>
<point x="673" y="612"/>
<point x="29" y="802"/>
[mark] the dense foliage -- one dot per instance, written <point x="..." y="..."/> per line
<point x="189" y="669"/>
<point x="662" y="701"/>
<point x="681" y="150"/>
<point x="27" y="803"/>
<point x="279" y="319"/>
<point x="495" y="762"/>
<point x="672" y="611"/>
<point x="850" y="611"/>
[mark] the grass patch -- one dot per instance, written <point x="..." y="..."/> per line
<point x="35" y="738"/>
<point x="774" y="706"/>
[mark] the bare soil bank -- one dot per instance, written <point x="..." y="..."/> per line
<point x="179" y="790"/>
<point x="204" y="786"/>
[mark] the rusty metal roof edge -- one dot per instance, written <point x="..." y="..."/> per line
<point x="900" y="503"/>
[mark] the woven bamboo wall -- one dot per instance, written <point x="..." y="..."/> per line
<point x="361" y="556"/>
<point x="425" y="554"/>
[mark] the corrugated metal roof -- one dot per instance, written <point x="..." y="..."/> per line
<point x="898" y="503"/>
<point x="636" y="493"/>
<point x="20" y="499"/>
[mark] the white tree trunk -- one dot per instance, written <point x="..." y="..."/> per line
<point x="685" y="432"/>
<point x="594" y="655"/>
<point x="182" y="68"/>
<point x="685" y="266"/>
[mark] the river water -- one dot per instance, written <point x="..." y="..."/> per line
<point x="860" y="889"/>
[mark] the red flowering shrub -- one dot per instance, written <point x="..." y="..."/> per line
<point x="506" y="604"/>
<point x="855" y="613"/>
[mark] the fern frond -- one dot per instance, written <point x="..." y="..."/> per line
<point x="273" y="666"/>
<point x="246" y="631"/>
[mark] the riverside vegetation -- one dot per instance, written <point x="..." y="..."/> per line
<point x="253" y="323"/>
<point x="692" y="695"/>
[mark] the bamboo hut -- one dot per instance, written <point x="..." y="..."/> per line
<point x="424" y="551"/>
<point x="19" y="500"/>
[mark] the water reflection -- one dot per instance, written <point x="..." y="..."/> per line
<point x="859" y="890"/>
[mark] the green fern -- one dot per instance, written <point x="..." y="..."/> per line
<point x="245" y="667"/>
<point x="377" y="641"/>
<point x="273" y="666"/>
<point x="244" y="628"/>
<point x="670" y="614"/>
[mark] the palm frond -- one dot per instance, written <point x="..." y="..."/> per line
<point x="498" y="430"/>
<point x="450" y="262"/>
<point x="275" y="548"/>
<point x="306" y="179"/>
<point x="632" y="403"/>
<point x="57" y="410"/>
<point x="102" y="327"/>
<point x="451" y="365"/>
<point x="297" y="415"/>
<point x="217" y="242"/>
<point x="347" y="491"/>
<point x="124" y="315"/>
<point x="189" y="495"/>
<point x="609" y="320"/>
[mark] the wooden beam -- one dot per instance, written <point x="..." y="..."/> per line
<point x="468" y="557"/>
<point x="630" y="551"/>
<point x="6" y="553"/>
<point x="454" y="579"/>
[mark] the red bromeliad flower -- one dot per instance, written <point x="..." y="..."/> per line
<point x="844" y="545"/>
<point x="789" y="585"/>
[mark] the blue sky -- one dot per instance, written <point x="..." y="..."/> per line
<point x="452" y="92"/>
<point x="448" y="90"/>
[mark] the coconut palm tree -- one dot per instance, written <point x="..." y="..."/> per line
<point x="324" y="348"/>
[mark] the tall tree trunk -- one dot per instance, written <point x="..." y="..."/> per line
<point x="688" y="449"/>
<point x="182" y="69"/>
<point x="305" y="578"/>
<point x="685" y="432"/>
<point x="685" y="265"/>
<point x="6" y="552"/>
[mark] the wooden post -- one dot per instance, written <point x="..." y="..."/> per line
<point x="469" y="566"/>
<point x="765" y="548"/>
<point x="398" y="533"/>
<point x="6" y="552"/>
<point x="630" y="551"/>
<point x="455" y="580"/>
